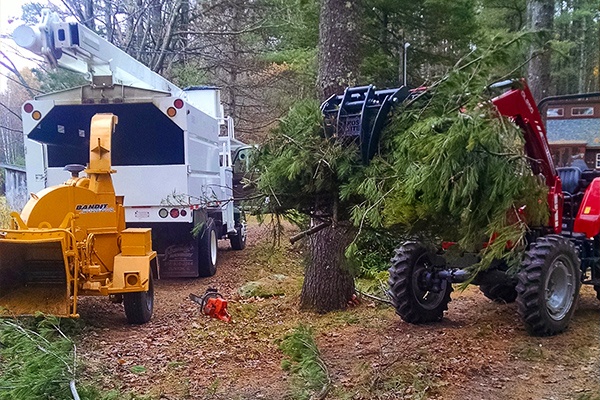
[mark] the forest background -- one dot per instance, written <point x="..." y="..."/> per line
<point x="263" y="53"/>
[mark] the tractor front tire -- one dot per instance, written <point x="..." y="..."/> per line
<point x="500" y="293"/>
<point x="548" y="285"/>
<point x="413" y="302"/>
<point x="207" y="249"/>
<point x="139" y="305"/>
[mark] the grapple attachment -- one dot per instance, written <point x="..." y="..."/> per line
<point x="361" y="113"/>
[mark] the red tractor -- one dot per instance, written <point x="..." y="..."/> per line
<point x="559" y="257"/>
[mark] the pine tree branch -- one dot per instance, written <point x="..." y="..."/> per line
<point x="309" y="232"/>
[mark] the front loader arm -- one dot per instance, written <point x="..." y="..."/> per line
<point x="517" y="103"/>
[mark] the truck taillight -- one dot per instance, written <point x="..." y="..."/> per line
<point x="28" y="108"/>
<point x="171" y="112"/>
<point x="174" y="213"/>
<point x="163" y="213"/>
<point x="36" y="115"/>
<point x="178" y="103"/>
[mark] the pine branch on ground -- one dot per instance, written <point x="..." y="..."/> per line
<point x="38" y="361"/>
<point x="305" y="362"/>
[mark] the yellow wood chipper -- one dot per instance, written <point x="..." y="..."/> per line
<point x="70" y="241"/>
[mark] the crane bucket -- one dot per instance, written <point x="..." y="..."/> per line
<point x="33" y="277"/>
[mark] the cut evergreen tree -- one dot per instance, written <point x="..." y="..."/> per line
<point x="449" y="168"/>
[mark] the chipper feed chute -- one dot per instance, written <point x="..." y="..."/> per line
<point x="33" y="277"/>
<point x="70" y="240"/>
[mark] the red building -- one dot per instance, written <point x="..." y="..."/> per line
<point x="573" y="127"/>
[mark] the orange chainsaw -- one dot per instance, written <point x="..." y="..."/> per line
<point x="212" y="304"/>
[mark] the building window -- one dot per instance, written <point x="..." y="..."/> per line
<point x="555" y="112"/>
<point x="597" y="160"/>
<point x="582" y="111"/>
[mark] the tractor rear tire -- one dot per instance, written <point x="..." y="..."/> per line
<point x="500" y="293"/>
<point x="548" y="287"/>
<point x="139" y="305"/>
<point x="238" y="241"/>
<point x="207" y="249"/>
<point x="597" y="289"/>
<point x="413" y="302"/>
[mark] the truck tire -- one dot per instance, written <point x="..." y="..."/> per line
<point x="500" y="293"/>
<point x="597" y="289"/>
<point x="207" y="249"/>
<point x="548" y="285"/>
<point x="139" y="305"/>
<point x="413" y="302"/>
<point x="238" y="241"/>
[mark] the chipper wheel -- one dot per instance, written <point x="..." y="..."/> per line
<point x="548" y="285"/>
<point x="413" y="300"/>
<point x="139" y="305"/>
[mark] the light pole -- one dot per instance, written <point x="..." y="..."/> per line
<point x="406" y="46"/>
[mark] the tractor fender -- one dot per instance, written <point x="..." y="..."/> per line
<point x="588" y="215"/>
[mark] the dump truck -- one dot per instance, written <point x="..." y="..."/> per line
<point x="173" y="148"/>
<point x="70" y="240"/>
<point x="559" y="256"/>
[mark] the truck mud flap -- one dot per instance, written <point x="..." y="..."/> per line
<point x="179" y="261"/>
<point x="33" y="279"/>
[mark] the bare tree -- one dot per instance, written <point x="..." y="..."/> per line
<point x="540" y="16"/>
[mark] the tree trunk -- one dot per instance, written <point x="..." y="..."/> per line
<point x="540" y="14"/>
<point x="328" y="282"/>
<point x="339" y="55"/>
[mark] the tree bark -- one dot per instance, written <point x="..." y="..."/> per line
<point x="339" y="46"/>
<point x="540" y="15"/>
<point x="328" y="281"/>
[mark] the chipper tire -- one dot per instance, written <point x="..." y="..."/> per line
<point x="139" y="305"/>
<point x="207" y="249"/>
<point x="500" y="293"/>
<point x="414" y="303"/>
<point x="548" y="285"/>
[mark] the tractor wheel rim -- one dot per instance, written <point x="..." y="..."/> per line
<point x="427" y="299"/>
<point x="213" y="247"/>
<point x="559" y="289"/>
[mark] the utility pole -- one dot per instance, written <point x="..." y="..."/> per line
<point x="406" y="46"/>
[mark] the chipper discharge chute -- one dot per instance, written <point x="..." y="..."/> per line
<point x="70" y="240"/>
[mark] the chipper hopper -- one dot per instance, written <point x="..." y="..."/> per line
<point x="70" y="241"/>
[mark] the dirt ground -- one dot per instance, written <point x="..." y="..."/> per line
<point x="479" y="351"/>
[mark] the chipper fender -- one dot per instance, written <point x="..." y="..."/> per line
<point x="70" y="240"/>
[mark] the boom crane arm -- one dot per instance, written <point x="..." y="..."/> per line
<point x="73" y="46"/>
